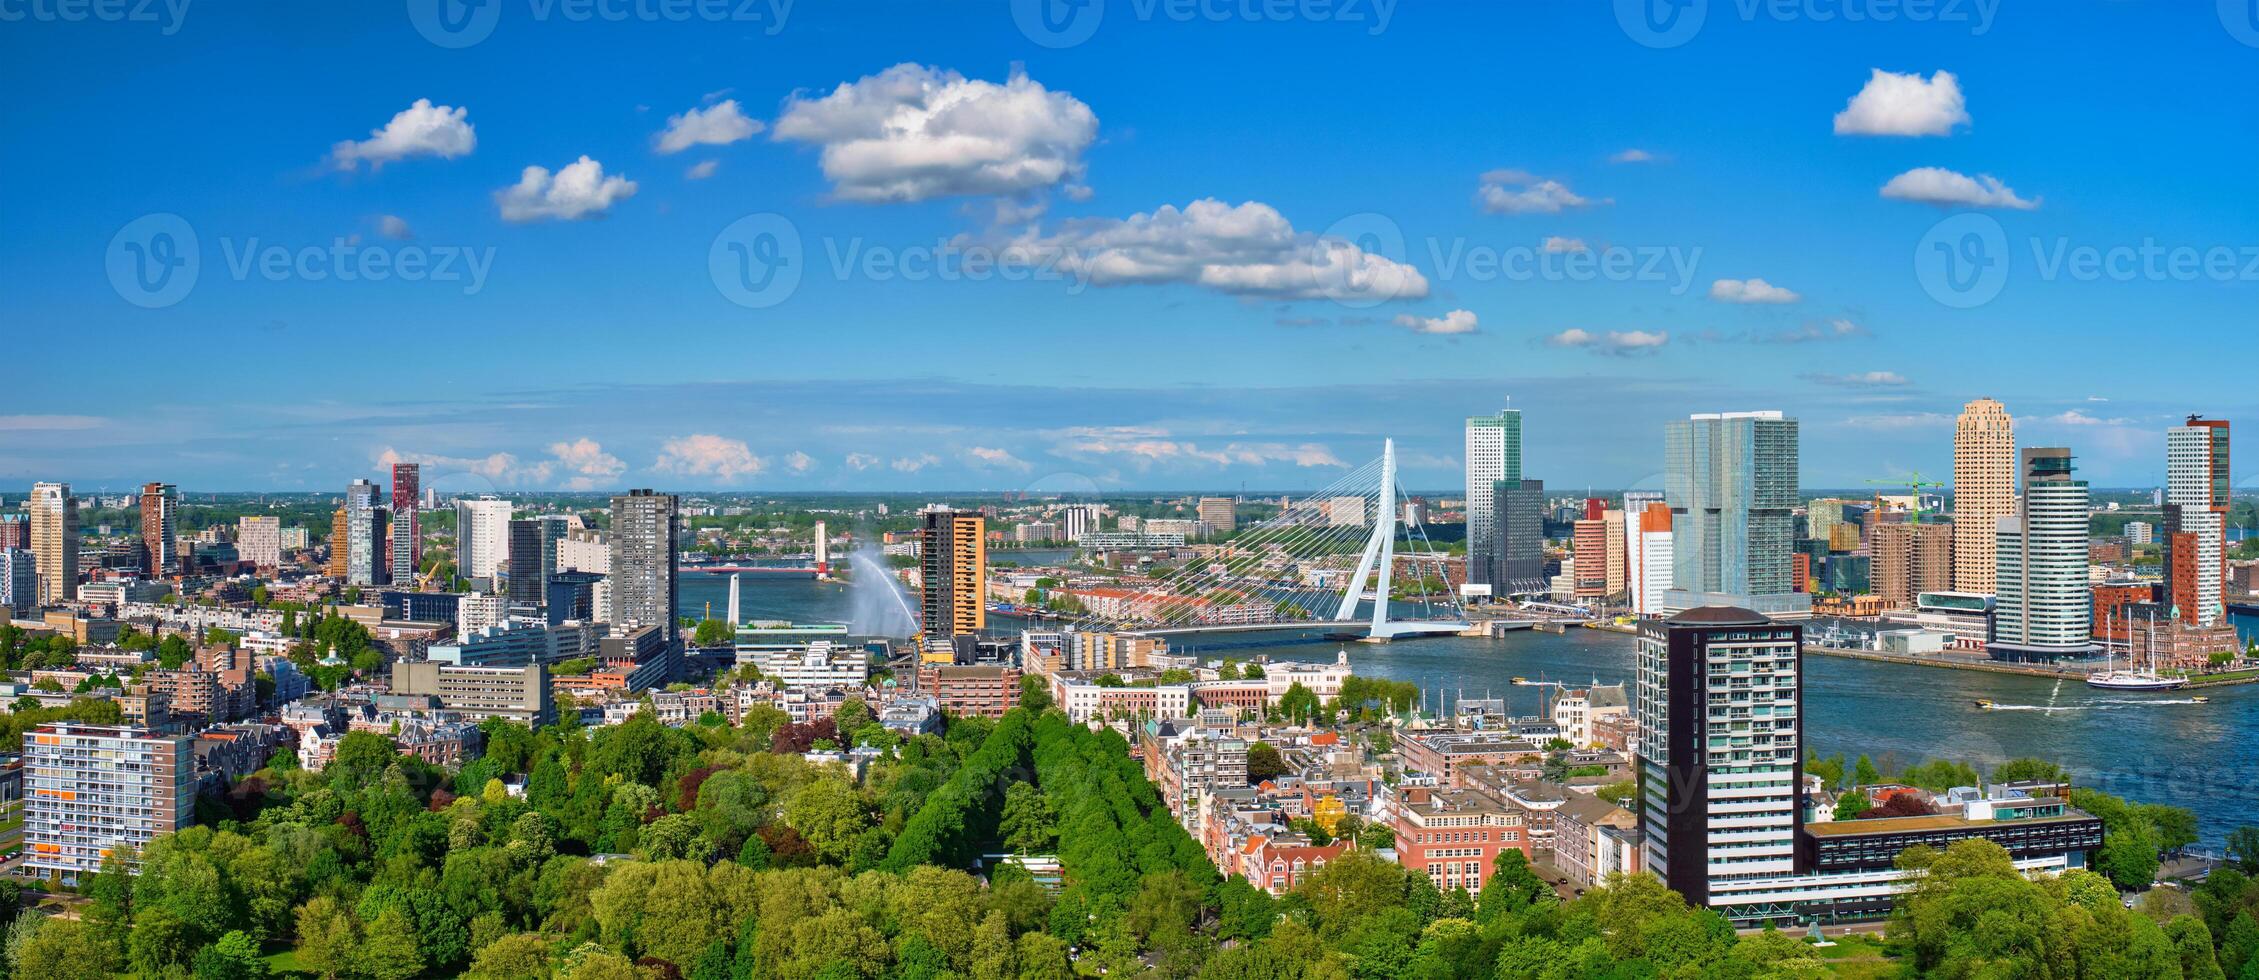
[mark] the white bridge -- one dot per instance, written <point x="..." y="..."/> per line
<point x="1280" y="573"/>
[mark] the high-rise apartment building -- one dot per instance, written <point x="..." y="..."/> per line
<point x="645" y="561"/>
<point x="1731" y="482"/>
<point x="1588" y="557"/>
<point x="15" y="531"/>
<point x="1218" y="514"/>
<point x="337" y="551"/>
<point x="1984" y="490"/>
<point x="1910" y="559"/>
<point x="584" y="549"/>
<point x="160" y="530"/>
<point x="366" y="559"/>
<point x="1720" y="750"/>
<point x="482" y="538"/>
<point x="1494" y="454"/>
<point x="258" y="540"/>
<point x="1647" y="547"/>
<point x="19" y="580"/>
<point x="953" y="564"/>
<point x="2046" y="606"/>
<point x="407" y="521"/>
<point x="90" y="790"/>
<point x="54" y="541"/>
<point x="1619" y="561"/>
<point x="2197" y="487"/>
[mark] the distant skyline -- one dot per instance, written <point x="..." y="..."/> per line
<point x="688" y="255"/>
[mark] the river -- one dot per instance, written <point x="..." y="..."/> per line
<point x="2157" y="748"/>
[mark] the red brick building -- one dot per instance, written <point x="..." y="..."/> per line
<point x="1455" y="836"/>
<point x="977" y="690"/>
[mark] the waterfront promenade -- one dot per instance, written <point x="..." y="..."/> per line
<point x="1980" y="662"/>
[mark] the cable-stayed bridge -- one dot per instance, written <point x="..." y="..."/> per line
<point x="1340" y="557"/>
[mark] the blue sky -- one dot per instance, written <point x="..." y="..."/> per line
<point x="1267" y="329"/>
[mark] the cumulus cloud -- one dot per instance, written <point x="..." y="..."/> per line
<point x="799" y="462"/>
<point x="1892" y="104"/>
<point x="912" y="464"/>
<point x="914" y="133"/>
<point x="421" y="130"/>
<point x="1835" y="329"/>
<point x="588" y="463"/>
<point x="708" y="455"/>
<point x="1947" y="188"/>
<point x="1633" y="155"/>
<point x="2079" y="418"/>
<point x="1860" y="379"/>
<point x="702" y="169"/>
<point x="861" y="461"/>
<point x="1750" y="291"/>
<point x="1522" y="192"/>
<point x="1456" y="321"/>
<point x="1621" y="342"/>
<point x="719" y="124"/>
<point x="1558" y="245"/>
<point x="1248" y="249"/>
<point x="578" y="191"/>
<point x="1145" y="447"/>
<point x="394" y="227"/>
<point x="987" y="456"/>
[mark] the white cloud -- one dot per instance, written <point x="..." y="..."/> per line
<point x="1248" y="249"/>
<point x="912" y="464"/>
<point x="702" y="169"/>
<point x="2079" y="418"/>
<point x="1456" y="321"/>
<point x="799" y="462"/>
<point x="1750" y="291"/>
<point x="913" y="133"/>
<point x="586" y="459"/>
<point x="1623" y="342"/>
<point x="1633" y="155"/>
<point x="1892" y="104"/>
<point x="1900" y="421"/>
<point x="716" y="125"/>
<point x="576" y="192"/>
<point x="1861" y="379"/>
<point x="394" y="227"/>
<point x="1146" y="447"/>
<point x="1947" y="188"/>
<point x="987" y="456"/>
<point x="1521" y="192"/>
<point x="861" y="461"/>
<point x="420" y="130"/>
<point x="708" y="455"/>
<point x="1557" y="245"/>
<point x="583" y="461"/>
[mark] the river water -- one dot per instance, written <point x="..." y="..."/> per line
<point x="2157" y="748"/>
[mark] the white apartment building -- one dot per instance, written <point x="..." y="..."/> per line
<point x="258" y="540"/>
<point x="585" y="550"/>
<point x="90" y="790"/>
<point x="482" y="537"/>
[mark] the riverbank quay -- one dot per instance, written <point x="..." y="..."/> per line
<point x="2079" y="673"/>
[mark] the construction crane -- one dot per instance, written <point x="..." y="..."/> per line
<point x="1914" y="483"/>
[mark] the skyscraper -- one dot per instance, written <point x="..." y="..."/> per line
<point x="1216" y="512"/>
<point x="2046" y="607"/>
<point x="407" y="521"/>
<point x="1984" y="490"/>
<point x="953" y="563"/>
<point x="533" y="558"/>
<point x="19" y="580"/>
<point x="2196" y="510"/>
<point x="338" y="553"/>
<point x="1513" y="562"/>
<point x="1910" y="559"/>
<point x="1647" y="546"/>
<point x="160" y="530"/>
<point x="365" y="558"/>
<point x="645" y="562"/>
<point x="1720" y="750"/>
<point x="1731" y="482"/>
<point x="482" y="537"/>
<point x="54" y="541"/>
<point x="1494" y="453"/>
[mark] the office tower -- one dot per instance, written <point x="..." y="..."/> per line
<point x="1588" y="559"/>
<point x="2045" y="609"/>
<point x="1619" y="562"/>
<point x="93" y="789"/>
<point x="15" y="531"/>
<point x="1731" y="482"/>
<point x="1217" y="513"/>
<point x="365" y="557"/>
<point x="533" y="557"/>
<point x="258" y="540"/>
<point x="1984" y="490"/>
<point x="2196" y="509"/>
<point x="1494" y="454"/>
<point x="572" y="596"/>
<point x="1513" y="563"/>
<point x="953" y="562"/>
<point x="337" y="550"/>
<point x="1910" y="559"/>
<point x="1647" y="547"/>
<point x="160" y="530"/>
<point x="645" y="561"/>
<point x="1720" y="749"/>
<point x="822" y="553"/>
<point x="407" y="521"/>
<point x="482" y="538"/>
<point x="54" y="541"/>
<point x="19" y="580"/>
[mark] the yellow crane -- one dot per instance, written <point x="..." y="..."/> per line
<point x="1914" y="484"/>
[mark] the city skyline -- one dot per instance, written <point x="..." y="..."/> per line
<point x="1212" y="370"/>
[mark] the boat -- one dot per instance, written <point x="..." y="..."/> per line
<point x="2200" y="699"/>
<point x="1985" y="704"/>
<point x="2135" y="678"/>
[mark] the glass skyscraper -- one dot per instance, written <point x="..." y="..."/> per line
<point x="1731" y="483"/>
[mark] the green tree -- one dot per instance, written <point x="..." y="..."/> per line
<point x="1263" y="763"/>
<point x="1851" y="804"/>
<point x="234" y="957"/>
<point x="2028" y="770"/>
<point x="829" y="812"/>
